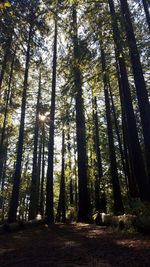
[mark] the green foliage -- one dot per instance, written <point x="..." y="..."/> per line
<point x="139" y="208"/>
<point x="5" y="4"/>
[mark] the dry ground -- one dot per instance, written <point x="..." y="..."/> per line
<point x="73" y="245"/>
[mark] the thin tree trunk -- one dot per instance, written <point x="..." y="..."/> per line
<point x="2" y="148"/>
<point x="43" y="173"/>
<point x="5" y="59"/>
<point x="118" y="204"/>
<point x="71" y="187"/>
<point x="34" y="183"/>
<point x="3" y="188"/>
<point x="17" y="174"/>
<point x="146" y="5"/>
<point x="7" y="102"/>
<point x="129" y="164"/>
<point x="84" y="198"/>
<point x="49" y="186"/>
<point x="23" y="195"/>
<point x="61" y="211"/>
<point x="98" y="162"/>
<point x="118" y="135"/>
<point x="76" y="176"/>
<point x="39" y="166"/>
<point x="97" y="139"/>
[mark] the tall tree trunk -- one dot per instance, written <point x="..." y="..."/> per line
<point x="34" y="182"/>
<point x="61" y="212"/>
<point x="146" y="5"/>
<point x="3" y="134"/>
<point x="23" y="196"/>
<point x="132" y="183"/>
<point x="142" y="94"/>
<point x="84" y="198"/>
<point x="75" y="175"/>
<point x="7" y="102"/>
<point x="49" y="186"/>
<point x="71" y="185"/>
<point x="17" y="174"/>
<point x="118" y="135"/>
<point x="39" y="166"/>
<point x="3" y="188"/>
<point x="129" y="163"/>
<point x="43" y="173"/>
<point x="137" y="158"/>
<point x="4" y="63"/>
<point x="118" y="204"/>
<point x="98" y="163"/>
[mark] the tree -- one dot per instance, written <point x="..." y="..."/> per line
<point x="84" y="200"/>
<point x="145" y="5"/>
<point x="139" y="169"/>
<point x="61" y="210"/>
<point x="41" y="208"/>
<point x="118" y="204"/>
<point x="35" y="175"/>
<point x="98" y="162"/>
<point x="17" y="174"/>
<point x="5" y="59"/>
<point x="49" y="186"/>
<point x="140" y="85"/>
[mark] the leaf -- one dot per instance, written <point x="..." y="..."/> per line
<point x="7" y="4"/>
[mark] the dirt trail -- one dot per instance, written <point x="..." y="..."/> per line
<point x="73" y="245"/>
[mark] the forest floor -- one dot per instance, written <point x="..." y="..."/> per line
<point x="73" y="245"/>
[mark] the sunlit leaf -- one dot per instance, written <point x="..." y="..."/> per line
<point x="7" y="4"/>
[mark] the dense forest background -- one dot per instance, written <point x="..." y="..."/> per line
<point x="74" y="108"/>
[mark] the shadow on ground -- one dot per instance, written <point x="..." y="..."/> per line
<point x="73" y="245"/>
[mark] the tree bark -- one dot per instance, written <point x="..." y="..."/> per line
<point x="98" y="162"/>
<point x="146" y="5"/>
<point x="71" y="184"/>
<point x="137" y="159"/>
<point x="35" y="175"/>
<point x="5" y="59"/>
<point x="61" y="211"/>
<point x="118" y="135"/>
<point x="43" y="173"/>
<point x="3" y="134"/>
<point x="142" y="94"/>
<point x="118" y="204"/>
<point x="129" y="164"/>
<point x="17" y="174"/>
<point x="3" y="188"/>
<point x="84" y="205"/>
<point x="49" y="186"/>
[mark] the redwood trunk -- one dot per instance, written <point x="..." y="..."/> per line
<point x="118" y="204"/>
<point x="49" y="186"/>
<point x="17" y="174"/>
<point x="84" y="199"/>
<point x="142" y="94"/>
<point x="137" y="158"/>
<point x="35" y="175"/>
